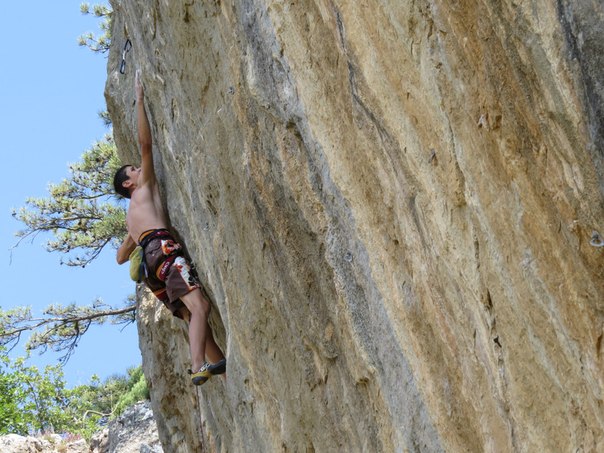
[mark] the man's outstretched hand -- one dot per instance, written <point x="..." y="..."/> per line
<point x="138" y="86"/>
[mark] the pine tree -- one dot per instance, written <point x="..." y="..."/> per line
<point x="81" y="211"/>
<point x="83" y="216"/>
<point x="96" y="43"/>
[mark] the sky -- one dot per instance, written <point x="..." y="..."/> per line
<point x="51" y="91"/>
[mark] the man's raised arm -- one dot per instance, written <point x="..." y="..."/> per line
<point x="144" y="132"/>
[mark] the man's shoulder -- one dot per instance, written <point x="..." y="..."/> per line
<point x="145" y="190"/>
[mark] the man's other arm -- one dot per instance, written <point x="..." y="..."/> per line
<point x="123" y="253"/>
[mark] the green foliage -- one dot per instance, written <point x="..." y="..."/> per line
<point x="136" y="390"/>
<point x="97" y="43"/>
<point x="34" y="400"/>
<point x="80" y="212"/>
<point x="37" y="401"/>
<point x="119" y="392"/>
<point x="12" y="418"/>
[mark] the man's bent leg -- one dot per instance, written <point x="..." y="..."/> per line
<point x="212" y="350"/>
<point x="199" y="308"/>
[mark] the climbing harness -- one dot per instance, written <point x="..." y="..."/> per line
<point x="138" y="264"/>
<point x="127" y="48"/>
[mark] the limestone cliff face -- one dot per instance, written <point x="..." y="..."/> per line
<point x="391" y="205"/>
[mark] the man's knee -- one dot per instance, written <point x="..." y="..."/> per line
<point x="195" y="302"/>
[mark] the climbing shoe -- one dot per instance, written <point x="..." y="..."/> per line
<point x="218" y="367"/>
<point x="202" y="375"/>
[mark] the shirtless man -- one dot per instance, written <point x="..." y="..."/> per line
<point x="168" y="274"/>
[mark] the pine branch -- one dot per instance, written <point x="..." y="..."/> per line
<point x="39" y="322"/>
<point x="80" y="211"/>
<point x="62" y="328"/>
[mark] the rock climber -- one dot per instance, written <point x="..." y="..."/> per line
<point x="168" y="273"/>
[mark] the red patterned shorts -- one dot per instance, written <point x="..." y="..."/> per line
<point x="169" y="274"/>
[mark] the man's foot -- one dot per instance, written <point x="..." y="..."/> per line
<point x="202" y="375"/>
<point x="208" y="370"/>
<point x="218" y="367"/>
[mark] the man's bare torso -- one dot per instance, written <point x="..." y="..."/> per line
<point x="146" y="211"/>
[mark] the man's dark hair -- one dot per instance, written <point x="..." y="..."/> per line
<point x="118" y="181"/>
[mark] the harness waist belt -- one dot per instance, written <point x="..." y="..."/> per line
<point x="147" y="236"/>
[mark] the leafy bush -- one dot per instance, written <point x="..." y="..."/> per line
<point x="38" y="401"/>
<point x="137" y="390"/>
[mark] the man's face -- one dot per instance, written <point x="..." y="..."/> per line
<point x="133" y="173"/>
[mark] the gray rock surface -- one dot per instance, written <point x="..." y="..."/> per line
<point x="14" y="443"/>
<point x="51" y="443"/>
<point x="132" y="432"/>
<point x="391" y="205"/>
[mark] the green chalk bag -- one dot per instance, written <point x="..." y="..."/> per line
<point x="137" y="264"/>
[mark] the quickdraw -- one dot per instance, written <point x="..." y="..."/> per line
<point x="127" y="48"/>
